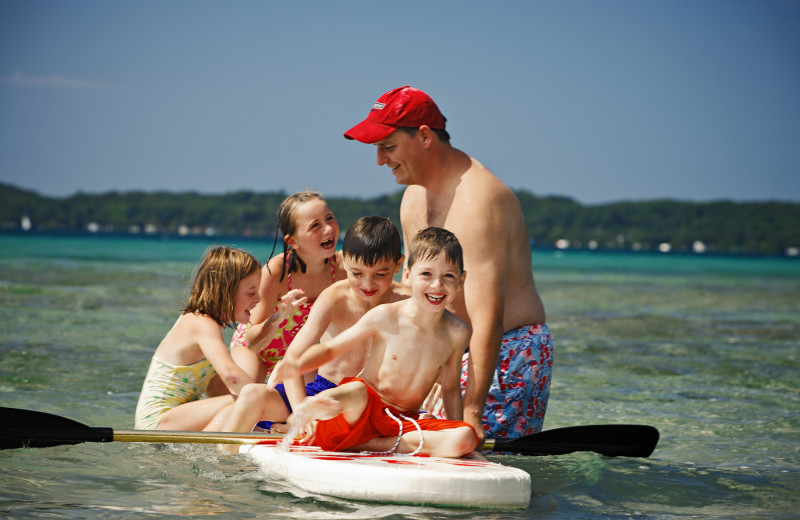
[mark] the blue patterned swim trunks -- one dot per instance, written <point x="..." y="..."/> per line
<point x="520" y="387"/>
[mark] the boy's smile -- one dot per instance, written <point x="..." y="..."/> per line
<point x="436" y="300"/>
<point x="370" y="281"/>
<point x="435" y="281"/>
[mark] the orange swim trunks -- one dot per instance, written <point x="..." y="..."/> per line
<point x="337" y="435"/>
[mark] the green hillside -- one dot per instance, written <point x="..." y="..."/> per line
<point x="720" y="226"/>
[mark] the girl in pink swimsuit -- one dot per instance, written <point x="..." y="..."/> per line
<point x="290" y="282"/>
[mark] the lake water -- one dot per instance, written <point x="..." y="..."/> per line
<point x="705" y="348"/>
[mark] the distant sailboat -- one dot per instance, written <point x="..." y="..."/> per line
<point x="25" y="223"/>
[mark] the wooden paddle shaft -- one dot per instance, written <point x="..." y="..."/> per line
<point x="196" y="437"/>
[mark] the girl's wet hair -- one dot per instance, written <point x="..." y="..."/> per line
<point x="287" y="227"/>
<point x="430" y="242"/>
<point x="216" y="283"/>
<point x="372" y="239"/>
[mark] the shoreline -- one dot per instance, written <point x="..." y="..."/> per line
<point x="790" y="253"/>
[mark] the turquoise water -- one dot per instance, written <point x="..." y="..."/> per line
<point x="703" y="348"/>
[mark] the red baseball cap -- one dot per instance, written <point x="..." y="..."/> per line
<point x="403" y="106"/>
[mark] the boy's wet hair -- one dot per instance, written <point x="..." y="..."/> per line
<point x="430" y="242"/>
<point x="216" y="283"/>
<point x="372" y="239"/>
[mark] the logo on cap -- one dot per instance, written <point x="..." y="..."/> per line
<point x="404" y="107"/>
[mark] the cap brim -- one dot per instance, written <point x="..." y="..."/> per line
<point x="369" y="132"/>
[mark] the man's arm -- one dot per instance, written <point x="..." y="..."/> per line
<point x="451" y="380"/>
<point x="485" y="309"/>
<point x="486" y="260"/>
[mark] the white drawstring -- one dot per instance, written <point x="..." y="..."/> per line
<point x="400" y="435"/>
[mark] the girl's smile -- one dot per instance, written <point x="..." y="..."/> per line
<point x="317" y="230"/>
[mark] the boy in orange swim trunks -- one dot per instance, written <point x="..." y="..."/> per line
<point x="415" y="343"/>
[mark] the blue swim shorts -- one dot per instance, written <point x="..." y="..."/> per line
<point x="312" y="388"/>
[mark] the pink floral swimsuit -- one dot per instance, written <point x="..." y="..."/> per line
<point x="287" y="330"/>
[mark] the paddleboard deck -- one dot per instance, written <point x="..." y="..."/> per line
<point x="397" y="479"/>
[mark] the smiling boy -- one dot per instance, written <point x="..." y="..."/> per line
<point x="415" y="342"/>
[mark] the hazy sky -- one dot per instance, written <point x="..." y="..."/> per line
<point x="596" y="100"/>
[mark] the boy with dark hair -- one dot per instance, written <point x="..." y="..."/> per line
<point x="372" y="256"/>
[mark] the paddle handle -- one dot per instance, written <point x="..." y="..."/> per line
<point x="196" y="437"/>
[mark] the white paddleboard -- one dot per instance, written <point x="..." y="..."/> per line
<point x="399" y="479"/>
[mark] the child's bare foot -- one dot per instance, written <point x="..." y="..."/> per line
<point x="318" y="407"/>
<point x="475" y="455"/>
<point x="304" y="419"/>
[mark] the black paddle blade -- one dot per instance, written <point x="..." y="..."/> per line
<point x="31" y="429"/>
<point x="613" y="440"/>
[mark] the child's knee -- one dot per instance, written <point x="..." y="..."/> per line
<point x="252" y="394"/>
<point x="463" y="440"/>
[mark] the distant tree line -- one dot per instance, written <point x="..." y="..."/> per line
<point x="721" y="226"/>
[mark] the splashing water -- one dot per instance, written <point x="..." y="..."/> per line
<point x="295" y="430"/>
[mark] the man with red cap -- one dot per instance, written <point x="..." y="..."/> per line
<point x="506" y="377"/>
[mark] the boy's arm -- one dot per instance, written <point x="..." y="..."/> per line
<point x="318" y="321"/>
<point x="319" y="354"/>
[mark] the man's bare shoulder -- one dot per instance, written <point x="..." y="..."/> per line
<point x="484" y="211"/>
<point x="481" y="185"/>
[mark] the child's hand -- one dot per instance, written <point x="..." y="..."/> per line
<point x="279" y="428"/>
<point x="309" y="433"/>
<point x="289" y="303"/>
<point x="318" y="407"/>
<point x="285" y="368"/>
<point x="433" y="404"/>
<point x="273" y="376"/>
